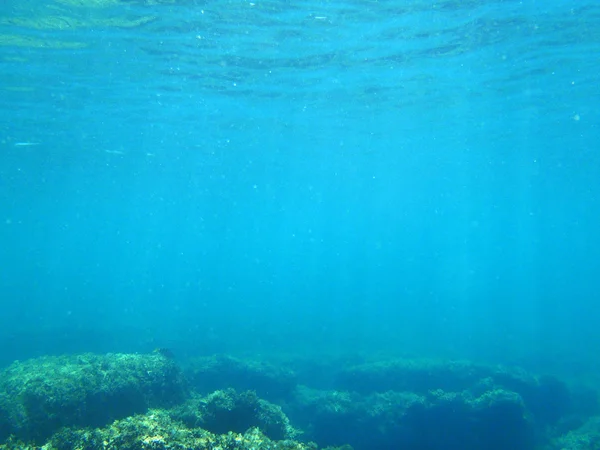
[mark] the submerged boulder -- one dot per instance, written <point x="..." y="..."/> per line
<point x="494" y="420"/>
<point x="227" y="410"/>
<point x="39" y="396"/>
<point x="547" y="398"/>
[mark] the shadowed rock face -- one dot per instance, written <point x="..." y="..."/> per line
<point x="44" y="394"/>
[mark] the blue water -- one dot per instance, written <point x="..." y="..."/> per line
<point x="404" y="178"/>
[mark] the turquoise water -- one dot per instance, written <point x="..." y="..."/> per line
<point x="361" y="177"/>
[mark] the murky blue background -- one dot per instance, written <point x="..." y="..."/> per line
<point x="404" y="178"/>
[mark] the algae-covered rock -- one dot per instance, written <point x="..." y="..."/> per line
<point x="338" y="417"/>
<point x="413" y="375"/>
<point x="39" y="396"/>
<point x="438" y="420"/>
<point x="227" y="410"/>
<point x="586" y="437"/>
<point x="158" y="431"/>
<point x="547" y="398"/>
